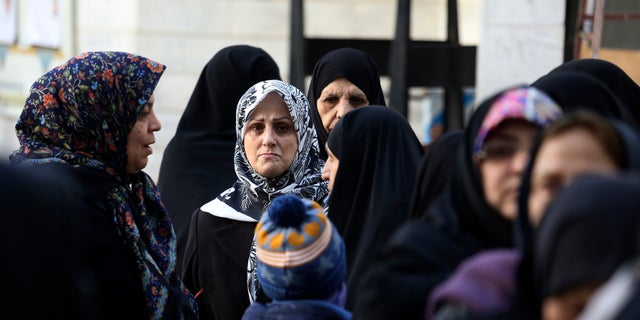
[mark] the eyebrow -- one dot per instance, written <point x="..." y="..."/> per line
<point x="285" y="118"/>
<point x="503" y="136"/>
<point x="353" y="92"/>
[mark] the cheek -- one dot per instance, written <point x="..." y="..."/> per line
<point x="488" y="175"/>
<point x="326" y="114"/>
<point x="538" y="201"/>
<point x="292" y="146"/>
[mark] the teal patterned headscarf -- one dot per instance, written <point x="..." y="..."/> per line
<point x="81" y="113"/>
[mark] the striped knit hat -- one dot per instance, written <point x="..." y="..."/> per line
<point x="300" y="253"/>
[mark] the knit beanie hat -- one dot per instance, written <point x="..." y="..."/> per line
<point x="300" y="253"/>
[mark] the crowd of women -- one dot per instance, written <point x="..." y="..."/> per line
<point x="273" y="203"/>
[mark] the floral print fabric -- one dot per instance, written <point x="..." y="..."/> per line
<point x="81" y="113"/>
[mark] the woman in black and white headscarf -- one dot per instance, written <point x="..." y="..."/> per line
<point x="276" y="153"/>
<point x="199" y="154"/>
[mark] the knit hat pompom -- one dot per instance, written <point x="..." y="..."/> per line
<point x="300" y="254"/>
<point x="287" y="211"/>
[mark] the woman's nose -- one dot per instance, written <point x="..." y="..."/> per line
<point x="325" y="173"/>
<point x="269" y="137"/>
<point x="155" y="124"/>
<point x="343" y="106"/>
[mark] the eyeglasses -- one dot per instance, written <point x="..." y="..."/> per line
<point x="500" y="150"/>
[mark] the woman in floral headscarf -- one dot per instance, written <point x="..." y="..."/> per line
<point x="276" y="153"/>
<point x="91" y="120"/>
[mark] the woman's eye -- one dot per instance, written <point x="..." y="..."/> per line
<point x="358" y="101"/>
<point x="552" y="185"/>
<point x="256" y="127"/>
<point x="143" y="115"/>
<point x="330" y="99"/>
<point x="283" y="128"/>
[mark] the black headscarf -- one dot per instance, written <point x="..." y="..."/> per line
<point x="434" y="171"/>
<point x="588" y="231"/>
<point x="527" y="303"/>
<point x="354" y="65"/>
<point x="612" y="76"/>
<point x="379" y="155"/>
<point x="197" y="164"/>
<point x="458" y="223"/>
<point x="574" y="90"/>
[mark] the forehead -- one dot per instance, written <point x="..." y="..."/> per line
<point x="576" y="150"/>
<point x="513" y="129"/>
<point x="271" y="106"/>
<point x="341" y="85"/>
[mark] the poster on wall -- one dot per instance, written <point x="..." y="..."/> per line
<point x="42" y="25"/>
<point x="8" y="13"/>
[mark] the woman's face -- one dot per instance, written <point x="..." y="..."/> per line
<point x="270" y="141"/>
<point x="141" y="138"/>
<point x="507" y="153"/>
<point x="330" y="168"/>
<point x="569" y="304"/>
<point x="561" y="158"/>
<point x="338" y="98"/>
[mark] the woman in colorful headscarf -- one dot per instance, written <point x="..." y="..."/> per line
<point x="473" y="213"/>
<point x="276" y="153"/>
<point x="200" y="153"/>
<point x="342" y="80"/>
<point x="92" y="119"/>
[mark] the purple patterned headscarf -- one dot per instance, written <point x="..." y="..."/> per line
<point x="527" y="103"/>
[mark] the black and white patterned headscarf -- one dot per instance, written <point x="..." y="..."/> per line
<point x="252" y="193"/>
<point x="303" y="176"/>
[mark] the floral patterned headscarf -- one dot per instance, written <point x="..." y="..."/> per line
<point x="81" y="113"/>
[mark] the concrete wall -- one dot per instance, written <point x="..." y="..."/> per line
<point x="520" y="41"/>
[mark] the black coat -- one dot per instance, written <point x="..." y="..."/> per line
<point x="221" y="278"/>
<point x="379" y="155"/>
<point x="96" y="276"/>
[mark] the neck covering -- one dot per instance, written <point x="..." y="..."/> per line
<point x="379" y="155"/>
<point x="588" y="231"/>
<point x="81" y="113"/>
<point x="573" y="90"/>
<point x="200" y="154"/>
<point x="354" y="65"/>
<point x="613" y="77"/>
